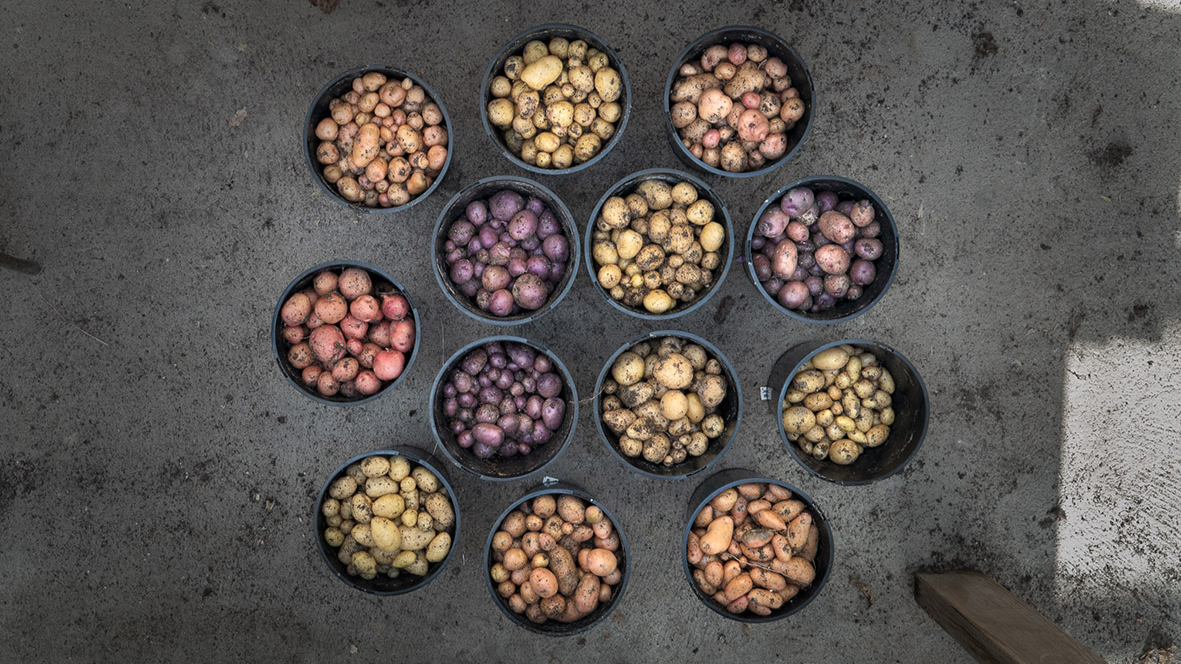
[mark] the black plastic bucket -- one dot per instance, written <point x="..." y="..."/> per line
<point x="481" y="190"/>
<point x="628" y="185"/>
<point x="497" y="468"/>
<point x="886" y="265"/>
<point x="552" y="628"/>
<point x="910" y="404"/>
<point x="776" y="47"/>
<point x="545" y="33"/>
<point x="304" y="281"/>
<point x="319" y="110"/>
<point x="730" y="409"/>
<point x="384" y="585"/>
<point x="823" y="563"/>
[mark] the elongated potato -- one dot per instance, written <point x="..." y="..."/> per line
<point x="438" y="548"/>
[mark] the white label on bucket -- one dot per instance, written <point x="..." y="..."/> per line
<point x="549" y="481"/>
<point x="765" y="393"/>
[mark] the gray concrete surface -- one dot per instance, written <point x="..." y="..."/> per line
<point x="157" y="474"/>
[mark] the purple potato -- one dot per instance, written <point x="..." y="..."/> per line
<point x="524" y="449"/>
<point x="549" y="385"/>
<point x="498" y="254"/>
<point x="874" y="229"/>
<point x="756" y="242"/>
<point x="449" y="391"/>
<point x="862" y="272"/>
<point x="531" y="244"/>
<point x="521" y="355"/>
<point x="476" y="212"/>
<point x="449" y="246"/>
<point x="517" y="266"/>
<point x="772" y="286"/>
<point x="845" y="207"/>
<point x="483" y="451"/>
<point x="450" y="406"/>
<point x="815" y="285"/>
<point x="461" y="231"/>
<point x="826" y="200"/>
<point x="488" y="236"/>
<point x="810" y="215"/>
<point x="500" y="303"/>
<point x="488" y="434"/>
<point x="793" y="294"/>
<point x="824" y="302"/>
<point x="487" y="413"/>
<point x="547" y="224"/>
<point x="508" y="423"/>
<point x="762" y="267"/>
<point x="538" y="265"/>
<point x="466" y="400"/>
<point x="868" y="248"/>
<point x="452" y="256"/>
<point x="556" y="248"/>
<point x="533" y="406"/>
<point x="806" y="259"/>
<point x="542" y="363"/>
<point x="465" y="438"/>
<point x="541" y="433"/>
<point x="525" y="425"/>
<point x="457" y="427"/>
<point x="469" y="288"/>
<point x="557" y="270"/>
<point x="552" y="413"/>
<point x="529" y="292"/>
<point x="506" y="203"/>
<point x="505" y="381"/>
<point x="795" y="201"/>
<point x="474" y="246"/>
<point x="855" y="292"/>
<point x="772" y="223"/>
<point x="508" y="448"/>
<point x="523" y="225"/>
<point x="462" y="271"/>
<point x="535" y="205"/>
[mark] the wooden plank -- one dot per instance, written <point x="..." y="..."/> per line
<point x="993" y="624"/>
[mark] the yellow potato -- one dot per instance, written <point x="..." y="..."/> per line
<point x="389" y="506"/>
<point x="501" y="112"/>
<point x="713" y="235"/>
<point x="438" y="548"/>
<point x="386" y="534"/>
<point x="658" y="301"/>
<point x="628" y="244"/>
<point x="542" y="72"/>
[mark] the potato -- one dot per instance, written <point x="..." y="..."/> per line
<point x="438" y="548"/>
<point x="501" y="112"/>
<point x="718" y="536"/>
<point x="389" y="506"/>
<point x="628" y="369"/>
<point x="674" y="372"/>
<point x="608" y="84"/>
<point x="414" y="539"/>
<point x="563" y="567"/>
<point x="342" y="488"/>
<point x="425" y="479"/>
<point x="439" y="507"/>
<point x="571" y="509"/>
<point x="375" y="487"/>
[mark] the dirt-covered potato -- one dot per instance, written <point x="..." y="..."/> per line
<point x="838" y="404"/>
<point x="753" y="548"/>
<point x="557" y="103"/>
<point x="658" y="247"/>
<point x="566" y="564"/>
<point x="665" y="403"/>
<point x="387" y="534"/>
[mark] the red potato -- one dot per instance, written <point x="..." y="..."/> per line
<point x="327" y="344"/>
<point x="836" y="227"/>
<point x="402" y="336"/>
<point x="365" y="308"/>
<point x="332" y="308"/>
<point x="352" y="328"/>
<point x="368" y="383"/>
<point x="327" y="385"/>
<point x="294" y="335"/>
<point x="300" y="356"/>
<point x="380" y="334"/>
<point x="368" y="352"/>
<point x="296" y="309"/>
<point x="346" y="369"/>
<point x="784" y="259"/>
<point x="833" y="259"/>
<point x="354" y="282"/>
<point x="395" y="306"/>
<point x="388" y="364"/>
<point x="314" y="320"/>
<point x="354" y="346"/>
<point x="311" y="375"/>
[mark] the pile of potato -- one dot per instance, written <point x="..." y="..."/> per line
<point x="555" y="558"/>
<point x="658" y="246"/>
<point x="384" y="142"/>
<point x="753" y="548"/>
<point x="838" y="404"/>
<point x="346" y="335"/>
<point x="388" y="517"/>
<point x="557" y="104"/>
<point x="812" y="249"/>
<point x="662" y="400"/>
<point x="733" y="108"/>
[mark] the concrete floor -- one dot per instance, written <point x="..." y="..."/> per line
<point x="157" y="474"/>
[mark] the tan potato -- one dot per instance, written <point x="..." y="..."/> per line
<point x="628" y="369"/>
<point x="674" y="372"/>
<point x="438" y="548"/>
<point x="342" y="488"/>
<point x="718" y="536"/>
<point x="440" y="509"/>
